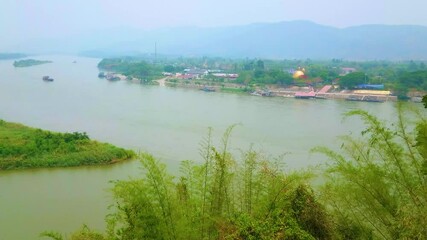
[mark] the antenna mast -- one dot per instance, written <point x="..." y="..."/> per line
<point x="155" y="52"/>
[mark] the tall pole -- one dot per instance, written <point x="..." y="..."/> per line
<point x="155" y="52"/>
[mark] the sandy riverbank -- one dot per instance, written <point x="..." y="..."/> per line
<point x="162" y="81"/>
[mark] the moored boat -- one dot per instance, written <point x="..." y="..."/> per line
<point x="47" y="78"/>
<point x="372" y="99"/>
<point x="101" y="75"/>
<point x="364" y="98"/>
<point x="305" y="95"/>
<point x="208" y="89"/>
<point x="354" y="98"/>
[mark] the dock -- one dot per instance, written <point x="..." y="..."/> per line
<point x="323" y="93"/>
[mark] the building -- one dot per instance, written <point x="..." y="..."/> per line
<point x="347" y="70"/>
<point x="196" y="73"/>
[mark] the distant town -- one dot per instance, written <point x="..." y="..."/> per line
<point x="372" y="81"/>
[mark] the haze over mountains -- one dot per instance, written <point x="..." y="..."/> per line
<point x="296" y="39"/>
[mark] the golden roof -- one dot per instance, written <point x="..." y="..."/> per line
<point x="298" y="74"/>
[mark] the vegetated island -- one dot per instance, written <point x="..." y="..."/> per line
<point x="25" y="147"/>
<point x="29" y="62"/>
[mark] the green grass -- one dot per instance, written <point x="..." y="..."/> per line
<point x="235" y="90"/>
<point x="24" y="147"/>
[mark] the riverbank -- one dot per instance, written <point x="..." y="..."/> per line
<point x="24" y="147"/>
<point x="162" y="81"/>
<point x="274" y="91"/>
<point x="322" y="92"/>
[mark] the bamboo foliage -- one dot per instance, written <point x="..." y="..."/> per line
<point x="222" y="198"/>
<point x="379" y="183"/>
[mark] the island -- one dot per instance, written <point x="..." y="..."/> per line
<point x="29" y="62"/>
<point x="23" y="147"/>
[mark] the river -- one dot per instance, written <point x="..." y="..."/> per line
<point x="166" y="122"/>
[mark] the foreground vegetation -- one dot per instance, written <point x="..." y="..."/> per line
<point x="23" y="147"/>
<point x="29" y="63"/>
<point x="375" y="188"/>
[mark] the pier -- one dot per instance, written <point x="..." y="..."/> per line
<point x="361" y="95"/>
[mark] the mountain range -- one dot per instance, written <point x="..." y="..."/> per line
<point x="289" y="40"/>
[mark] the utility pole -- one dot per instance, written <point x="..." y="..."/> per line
<point x="155" y="52"/>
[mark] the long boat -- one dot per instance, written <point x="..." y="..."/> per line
<point x="47" y="79"/>
<point x="208" y="89"/>
<point x="364" y="98"/>
<point x="305" y="95"/>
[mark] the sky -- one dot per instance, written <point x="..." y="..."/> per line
<point x="22" y="20"/>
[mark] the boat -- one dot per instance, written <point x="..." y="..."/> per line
<point x="364" y="98"/>
<point x="208" y="89"/>
<point x="354" y="98"/>
<point x="372" y="99"/>
<point x="101" y="75"/>
<point x="47" y="79"/>
<point x="255" y="93"/>
<point x="320" y="96"/>
<point x="305" y="95"/>
<point x="112" y="77"/>
<point x="263" y="93"/>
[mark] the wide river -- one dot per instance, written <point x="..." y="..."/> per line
<point x="166" y="122"/>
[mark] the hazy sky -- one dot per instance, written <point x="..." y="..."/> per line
<point x="25" y="19"/>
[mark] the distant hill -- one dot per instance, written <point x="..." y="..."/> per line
<point x="4" y="56"/>
<point x="296" y="39"/>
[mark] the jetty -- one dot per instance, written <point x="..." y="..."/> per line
<point x="326" y="92"/>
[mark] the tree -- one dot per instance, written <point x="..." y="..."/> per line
<point x="410" y="80"/>
<point x="425" y="101"/>
<point x="417" y="80"/>
<point x="248" y="66"/>
<point x="412" y="66"/>
<point x="169" y="68"/>
<point x="260" y="65"/>
<point x="352" y="79"/>
<point x="282" y="78"/>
